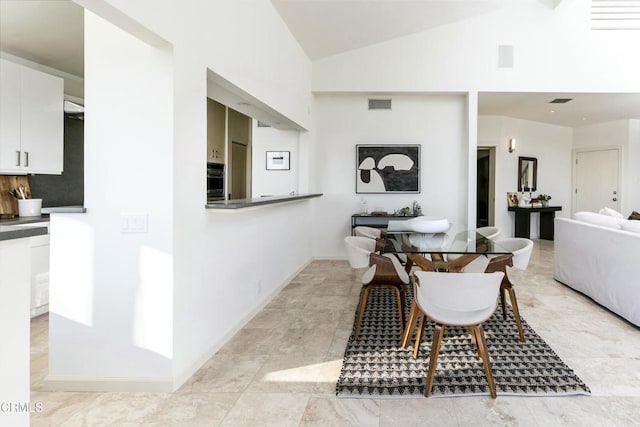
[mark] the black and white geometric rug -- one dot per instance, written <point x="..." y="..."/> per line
<point x="375" y="366"/>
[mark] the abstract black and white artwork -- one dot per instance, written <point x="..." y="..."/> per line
<point x="388" y="168"/>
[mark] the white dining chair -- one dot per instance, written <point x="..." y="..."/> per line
<point x="465" y="300"/>
<point x="370" y="232"/>
<point x="384" y="271"/>
<point x="521" y="249"/>
<point x="489" y="232"/>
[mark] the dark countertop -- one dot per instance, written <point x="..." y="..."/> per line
<point x="231" y="205"/>
<point x="21" y="220"/>
<point x="21" y="232"/>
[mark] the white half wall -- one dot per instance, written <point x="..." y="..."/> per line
<point x="438" y="123"/>
<point x="111" y="291"/>
<point x="145" y="147"/>
<point x="550" y="144"/>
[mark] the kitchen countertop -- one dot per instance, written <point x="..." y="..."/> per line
<point x="8" y="232"/>
<point x="22" y="220"/>
<point x="234" y="205"/>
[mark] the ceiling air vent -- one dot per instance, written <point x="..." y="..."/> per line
<point x="379" y="104"/>
<point x="560" y="100"/>
<point x="263" y="125"/>
<point x="615" y="15"/>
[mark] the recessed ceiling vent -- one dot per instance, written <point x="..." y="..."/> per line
<point x="263" y="125"/>
<point x="615" y="15"/>
<point x="560" y="100"/>
<point x="379" y="104"/>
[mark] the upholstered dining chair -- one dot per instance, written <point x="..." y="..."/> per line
<point x="378" y="235"/>
<point x="489" y="232"/>
<point x="521" y="250"/>
<point x="465" y="300"/>
<point x="384" y="271"/>
<point x="370" y="232"/>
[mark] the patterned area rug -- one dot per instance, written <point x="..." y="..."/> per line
<point x="375" y="366"/>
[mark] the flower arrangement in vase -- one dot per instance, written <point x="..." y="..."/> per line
<point x="544" y="199"/>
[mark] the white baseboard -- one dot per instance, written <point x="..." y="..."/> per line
<point x="188" y="373"/>
<point x="74" y="383"/>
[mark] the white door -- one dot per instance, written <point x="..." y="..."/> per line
<point x="597" y="174"/>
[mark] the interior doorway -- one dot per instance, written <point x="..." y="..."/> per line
<point x="485" y="187"/>
<point x="238" y="170"/>
<point x="597" y="177"/>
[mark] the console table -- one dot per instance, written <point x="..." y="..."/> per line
<point x="523" y="221"/>
<point x="376" y="221"/>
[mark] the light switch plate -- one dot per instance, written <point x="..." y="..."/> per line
<point x="134" y="223"/>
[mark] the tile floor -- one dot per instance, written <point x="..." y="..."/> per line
<point x="281" y="368"/>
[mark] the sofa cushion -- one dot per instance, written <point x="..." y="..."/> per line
<point x="635" y="215"/>
<point x="611" y="212"/>
<point x="597" y="219"/>
<point x="631" y="226"/>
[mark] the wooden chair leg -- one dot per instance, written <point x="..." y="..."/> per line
<point x="363" y="303"/>
<point x="503" y="302"/>
<point x="400" y="299"/>
<point x="411" y="324"/>
<point x="433" y="358"/>
<point x="516" y="312"/>
<point x="421" y="322"/>
<point x="474" y="341"/>
<point x="482" y="346"/>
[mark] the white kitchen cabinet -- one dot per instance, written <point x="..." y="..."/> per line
<point x="39" y="246"/>
<point x="10" y="151"/>
<point x="31" y="120"/>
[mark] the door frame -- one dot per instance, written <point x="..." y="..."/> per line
<point x="492" y="182"/>
<point x="574" y="173"/>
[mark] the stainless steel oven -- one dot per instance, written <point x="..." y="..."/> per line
<point x="215" y="181"/>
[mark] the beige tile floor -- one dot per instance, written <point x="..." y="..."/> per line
<point x="281" y="368"/>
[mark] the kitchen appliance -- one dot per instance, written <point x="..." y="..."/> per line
<point x="215" y="181"/>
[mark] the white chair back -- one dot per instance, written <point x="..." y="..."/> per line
<point x="521" y="249"/>
<point x="398" y="225"/>
<point x="458" y="299"/>
<point x="489" y="232"/>
<point x="478" y="265"/>
<point x="370" y="232"/>
<point x="358" y="249"/>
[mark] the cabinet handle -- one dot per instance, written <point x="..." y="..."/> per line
<point x="26" y="159"/>
<point x="17" y="157"/>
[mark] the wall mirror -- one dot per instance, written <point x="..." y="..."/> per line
<point x="527" y="173"/>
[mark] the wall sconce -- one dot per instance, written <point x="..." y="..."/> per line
<point x="512" y="145"/>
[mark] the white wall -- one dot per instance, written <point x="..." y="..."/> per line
<point x="220" y="268"/>
<point x="435" y="122"/>
<point x="550" y="144"/>
<point x="623" y="134"/>
<point x="111" y="293"/>
<point x="274" y="182"/>
<point x="554" y="50"/>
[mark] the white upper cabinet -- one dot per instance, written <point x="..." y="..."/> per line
<point x="10" y="151"/>
<point x="31" y="121"/>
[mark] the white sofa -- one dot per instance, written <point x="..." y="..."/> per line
<point x="598" y="256"/>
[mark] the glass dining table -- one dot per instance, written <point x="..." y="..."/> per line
<point x="450" y="250"/>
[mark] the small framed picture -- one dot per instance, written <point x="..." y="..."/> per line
<point x="278" y="160"/>
<point x="512" y="199"/>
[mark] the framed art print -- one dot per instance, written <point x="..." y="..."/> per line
<point x="382" y="169"/>
<point x="278" y="160"/>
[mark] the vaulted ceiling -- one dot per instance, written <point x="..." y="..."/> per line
<point x="51" y="33"/>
